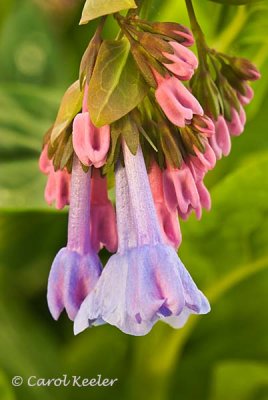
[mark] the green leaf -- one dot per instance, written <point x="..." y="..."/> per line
<point x="71" y="104"/>
<point x="96" y="8"/>
<point x="116" y="86"/>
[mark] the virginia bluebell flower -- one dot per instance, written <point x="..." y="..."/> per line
<point x="76" y="268"/>
<point x="144" y="281"/>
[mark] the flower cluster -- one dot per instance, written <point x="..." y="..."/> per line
<point x="159" y="153"/>
<point x="228" y="93"/>
<point x="144" y="281"/>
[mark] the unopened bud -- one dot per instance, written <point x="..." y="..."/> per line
<point x="174" y="31"/>
<point x="244" y="69"/>
<point x="169" y="145"/>
<point x="191" y="140"/>
<point x="141" y="60"/>
<point x="207" y="93"/>
<point x="155" y="46"/>
<point x="235" y="81"/>
<point x="229" y="98"/>
<point x="203" y="124"/>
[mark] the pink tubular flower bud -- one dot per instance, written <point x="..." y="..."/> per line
<point x="204" y="202"/>
<point x="176" y="101"/>
<point x="184" y="61"/>
<point x="202" y="162"/>
<point x="221" y="140"/>
<point x="58" y="182"/>
<point x="245" y="69"/>
<point x="204" y="125"/>
<point x="180" y="189"/>
<point x="186" y="34"/>
<point x="237" y="123"/>
<point x="91" y="144"/>
<point x="206" y="160"/>
<point x="168" y="219"/>
<point x="58" y="188"/>
<point x="102" y="216"/>
<point x="247" y="97"/>
<point x="45" y="163"/>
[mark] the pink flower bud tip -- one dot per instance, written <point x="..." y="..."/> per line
<point x="180" y="189"/>
<point x="221" y="140"/>
<point x="168" y="219"/>
<point x="91" y="144"/>
<point x="237" y="123"/>
<point x="247" y="97"/>
<point x="45" y="163"/>
<point x="102" y="216"/>
<point x="58" y="182"/>
<point x="206" y="160"/>
<point x="186" y="34"/>
<point x="58" y="188"/>
<point x="204" y="125"/>
<point x="176" y="101"/>
<point x="184" y="61"/>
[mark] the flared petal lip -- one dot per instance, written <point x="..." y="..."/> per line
<point x="94" y="310"/>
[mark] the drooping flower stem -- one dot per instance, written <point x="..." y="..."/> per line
<point x="146" y="221"/>
<point x="79" y="212"/>
<point x="199" y="36"/>
<point x="145" y="8"/>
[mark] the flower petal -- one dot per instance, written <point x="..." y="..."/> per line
<point x="91" y="144"/>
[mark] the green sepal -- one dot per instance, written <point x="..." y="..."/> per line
<point x="71" y="104"/>
<point x="142" y="59"/>
<point x="169" y="145"/>
<point x="62" y="151"/>
<point x="191" y="139"/>
<point x="207" y="93"/>
<point x="237" y="83"/>
<point x="88" y="60"/>
<point x="155" y="46"/>
<point x="130" y="133"/>
<point x="114" y="150"/>
<point x="229" y="98"/>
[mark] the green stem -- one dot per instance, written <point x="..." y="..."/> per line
<point x="101" y="25"/>
<point x="123" y="30"/>
<point x="145" y="8"/>
<point x="199" y="36"/>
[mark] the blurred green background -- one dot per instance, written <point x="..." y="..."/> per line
<point x="221" y="356"/>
